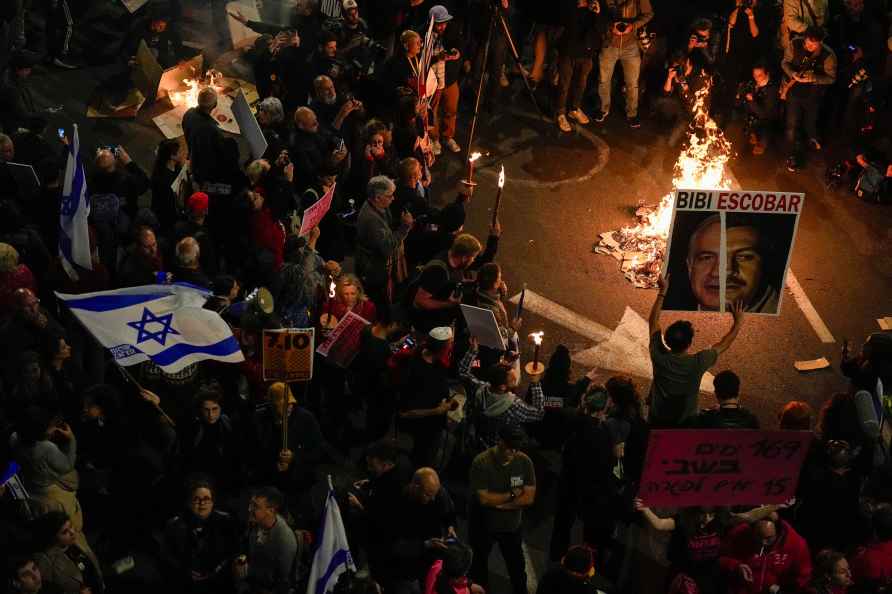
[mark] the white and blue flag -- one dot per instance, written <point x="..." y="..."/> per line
<point x="163" y="323"/>
<point x="332" y="557"/>
<point x="74" y="237"/>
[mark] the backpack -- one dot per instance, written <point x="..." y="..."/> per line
<point x="405" y="295"/>
<point x="869" y="186"/>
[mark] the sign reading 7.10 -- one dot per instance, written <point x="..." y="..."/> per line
<point x="288" y="355"/>
<point x="721" y="466"/>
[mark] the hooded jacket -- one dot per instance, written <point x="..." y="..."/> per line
<point x="786" y="563"/>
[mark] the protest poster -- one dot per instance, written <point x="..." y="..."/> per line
<point x="25" y="177"/>
<point x="288" y="354"/>
<point x="314" y="214"/>
<point x="688" y="467"/>
<point x="147" y="72"/>
<point x="248" y="125"/>
<point x="755" y="230"/>
<point x="482" y="324"/>
<point x="341" y="345"/>
<point x="241" y="35"/>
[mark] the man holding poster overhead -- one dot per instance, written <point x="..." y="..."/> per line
<point x="730" y="246"/>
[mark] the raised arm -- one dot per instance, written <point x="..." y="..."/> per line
<point x="736" y="311"/>
<point x="654" y="319"/>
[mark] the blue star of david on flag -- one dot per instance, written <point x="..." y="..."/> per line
<point x="159" y="336"/>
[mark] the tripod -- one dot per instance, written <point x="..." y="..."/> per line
<point x="496" y="16"/>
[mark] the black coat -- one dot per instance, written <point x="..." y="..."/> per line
<point x="16" y="103"/>
<point x="205" y="547"/>
<point x="206" y="146"/>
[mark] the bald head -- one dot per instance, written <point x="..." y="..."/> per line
<point x="305" y="119"/>
<point x="7" y="148"/>
<point x="425" y="485"/>
<point x="207" y="99"/>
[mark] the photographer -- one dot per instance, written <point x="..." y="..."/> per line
<point x="117" y="174"/>
<point x="684" y="78"/>
<point x="620" y="45"/>
<point x="575" y="50"/>
<point x="446" y="63"/>
<point x="758" y="99"/>
<point x="811" y="67"/>
<point x="704" y="40"/>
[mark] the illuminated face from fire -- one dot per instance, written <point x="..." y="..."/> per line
<point x="760" y="76"/>
<point x="743" y="265"/>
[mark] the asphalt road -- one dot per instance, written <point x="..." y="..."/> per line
<point x="565" y="189"/>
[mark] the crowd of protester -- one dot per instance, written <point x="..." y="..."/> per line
<point x="185" y="481"/>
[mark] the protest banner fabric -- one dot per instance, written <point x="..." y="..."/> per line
<point x="728" y="246"/>
<point x="688" y="467"/>
<point x="314" y="214"/>
<point x="288" y="354"/>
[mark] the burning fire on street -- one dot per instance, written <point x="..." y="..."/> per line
<point x="640" y="248"/>
<point x="189" y="97"/>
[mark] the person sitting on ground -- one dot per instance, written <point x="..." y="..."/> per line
<point x="728" y="414"/>
<point x="677" y="374"/>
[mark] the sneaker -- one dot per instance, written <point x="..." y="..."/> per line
<point x="814" y="144"/>
<point x="563" y="124"/>
<point x="633" y="121"/>
<point x="602" y="115"/>
<point x="436" y="149"/>
<point x="59" y="63"/>
<point x="452" y="145"/>
<point x="579" y="116"/>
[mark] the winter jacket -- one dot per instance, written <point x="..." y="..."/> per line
<point x="786" y="563"/>
<point x="872" y="564"/>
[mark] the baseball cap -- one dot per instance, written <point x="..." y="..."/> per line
<point x="513" y="436"/>
<point x="441" y="333"/>
<point x="439" y="14"/>
<point x="197" y="202"/>
<point x="348" y="4"/>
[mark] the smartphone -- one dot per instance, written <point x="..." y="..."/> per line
<point x="61" y="132"/>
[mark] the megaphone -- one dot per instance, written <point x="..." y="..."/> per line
<point x="261" y="299"/>
<point x="257" y="310"/>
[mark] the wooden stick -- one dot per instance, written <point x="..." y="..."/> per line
<point x="139" y="387"/>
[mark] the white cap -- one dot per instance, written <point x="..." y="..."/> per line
<point x="441" y="333"/>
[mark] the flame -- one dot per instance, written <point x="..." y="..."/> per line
<point x="537" y="337"/>
<point x="474" y="156"/>
<point x="189" y="97"/>
<point x="502" y="177"/>
<point x="331" y="290"/>
<point x="701" y="164"/>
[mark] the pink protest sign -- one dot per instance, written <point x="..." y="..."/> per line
<point x="721" y="466"/>
<point x="314" y="214"/>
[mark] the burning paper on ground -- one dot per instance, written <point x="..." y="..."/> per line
<point x="641" y="247"/>
<point x="186" y="96"/>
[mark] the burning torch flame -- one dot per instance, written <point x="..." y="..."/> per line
<point x="331" y="290"/>
<point x="474" y="156"/>
<point x="502" y="177"/>
<point x="537" y="337"/>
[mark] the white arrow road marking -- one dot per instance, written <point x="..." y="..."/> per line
<point x="624" y="350"/>
<point x="559" y="314"/>
<point x="808" y="310"/>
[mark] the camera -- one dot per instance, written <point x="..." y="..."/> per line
<point x="621" y="26"/>
<point x="61" y="132"/>
<point x="744" y="4"/>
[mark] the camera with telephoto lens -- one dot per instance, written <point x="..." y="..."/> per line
<point x="744" y="4"/>
<point x="621" y="26"/>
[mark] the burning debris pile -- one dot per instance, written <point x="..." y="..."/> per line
<point x="641" y="248"/>
<point x="189" y="96"/>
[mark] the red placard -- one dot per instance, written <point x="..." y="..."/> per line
<point x="314" y="213"/>
<point x="718" y="467"/>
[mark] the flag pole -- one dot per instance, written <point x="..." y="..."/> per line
<point x="127" y="375"/>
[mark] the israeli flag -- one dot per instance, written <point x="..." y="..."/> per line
<point x="74" y="237"/>
<point x="332" y="557"/>
<point x="163" y="323"/>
